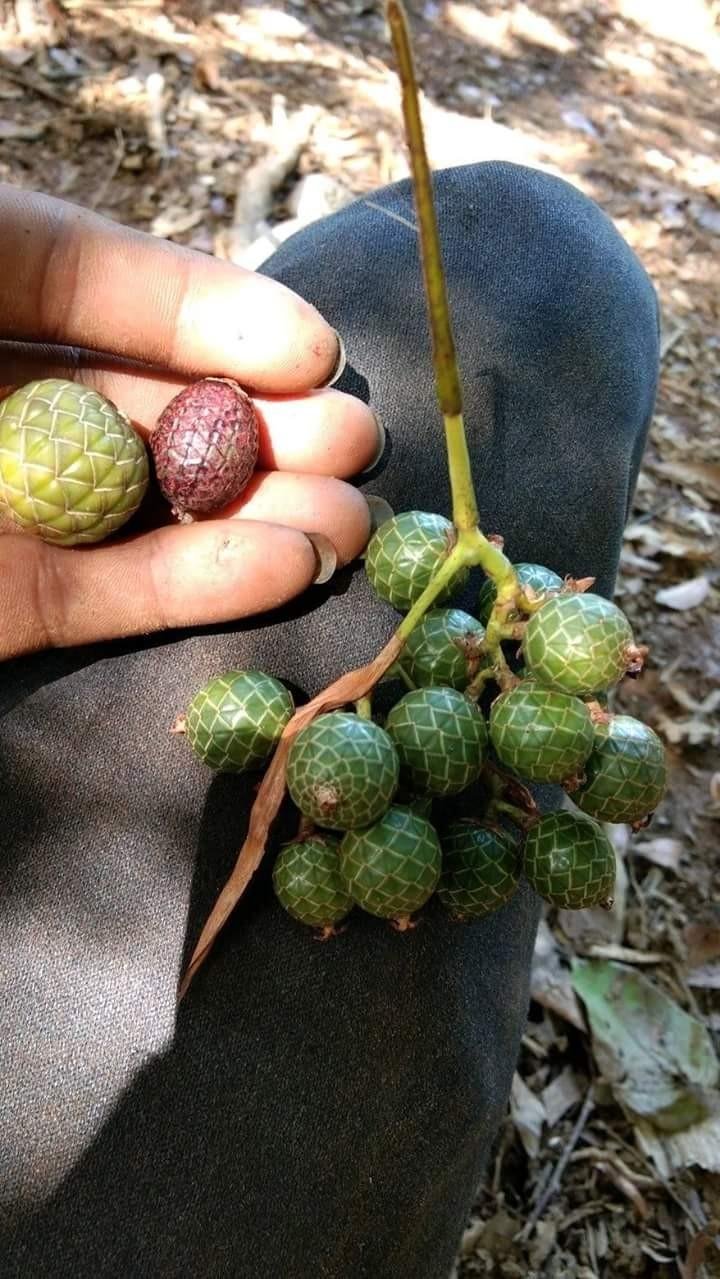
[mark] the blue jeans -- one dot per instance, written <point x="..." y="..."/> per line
<point x="309" y="1110"/>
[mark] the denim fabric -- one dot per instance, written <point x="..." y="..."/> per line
<point x="311" y="1110"/>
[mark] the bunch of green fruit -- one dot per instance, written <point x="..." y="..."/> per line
<point x="365" y="790"/>
<point x="375" y="795"/>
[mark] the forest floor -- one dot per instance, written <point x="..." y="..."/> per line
<point x="163" y="116"/>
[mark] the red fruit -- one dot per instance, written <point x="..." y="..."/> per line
<point x="205" y="446"/>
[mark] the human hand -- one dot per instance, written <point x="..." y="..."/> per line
<point x="83" y="298"/>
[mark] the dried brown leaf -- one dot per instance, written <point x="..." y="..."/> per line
<point x="528" y="1115"/>
<point x="696" y="1252"/>
<point x="564" y="1091"/>
<point x="704" y="476"/>
<point x="10" y="131"/>
<point x="551" y="982"/>
<point x="662" y="539"/>
<point x="348" y="688"/>
<point x="703" y="943"/>
<point x="704" y="977"/>
<point x="663" y="851"/>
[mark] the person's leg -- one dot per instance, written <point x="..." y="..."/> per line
<point x="314" y="1109"/>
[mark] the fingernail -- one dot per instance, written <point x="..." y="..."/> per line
<point x="325" y="558"/>
<point x="382" y="441"/>
<point x="339" y="365"/>
<point x="380" y="511"/>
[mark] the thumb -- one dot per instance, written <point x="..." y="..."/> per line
<point x="183" y="575"/>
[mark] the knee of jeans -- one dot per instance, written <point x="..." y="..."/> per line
<point x="563" y="300"/>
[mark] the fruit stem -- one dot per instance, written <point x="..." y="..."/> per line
<point x="397" y="671"/>
<point x="477" y="684"/>
<point x="517" y="815"/>
<point x="363" y="707"/>
<point x="447" y="380"/>
<point x="486" y="554"/>
<point x="461" y="556"/>
<point x="306" y="828"/>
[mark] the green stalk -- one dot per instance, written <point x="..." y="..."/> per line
<point x="447" y="380"/>
<point x="456" y="560"/>
<point x="517" y="815"/>
<point x="473" y="548"/>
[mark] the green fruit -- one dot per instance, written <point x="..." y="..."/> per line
<point x="308" y="883"/>
<point x="72" y="469"/>
<point x="542" y="734"/>
<point x="480" y="869"/>
<point x="444" y="648"/>
<point x="578" y="644"/>
<point x="236" y="720"/>
<point x="405" y="552"/>
<point x="393" y="867"/>
<point x="625" y="774"/>
<point x="534" y="575"/>
<point x="569" y="861"/>
<point x="342" y="771"/>
<point x="440" y="737"/>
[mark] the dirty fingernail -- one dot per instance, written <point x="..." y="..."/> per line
<point x="325" y="557"/>
<point x="340" y="363"/>
<point x="382" y="442"/>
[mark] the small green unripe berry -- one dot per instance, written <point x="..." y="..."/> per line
<point x="308" y="883"/>
<point x="236" y="720"/>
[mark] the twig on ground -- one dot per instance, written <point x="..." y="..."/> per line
<point x="29" y="79"/>
<point x="669" y="339"/>
<point x="562" y="1163"/>
<point x="155" y="112"/>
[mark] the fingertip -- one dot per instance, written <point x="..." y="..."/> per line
<point x="226" y="570"/>
<point x="257" y="330"/>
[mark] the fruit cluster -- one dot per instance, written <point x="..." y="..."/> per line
<point x="374" y="829"/>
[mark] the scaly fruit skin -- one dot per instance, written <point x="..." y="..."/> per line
<point x="542" y="734"/>
<point x="569" y="861"/>
<point x="393" y="867"/>
<point x="237" y="719"/>
<point x="441" y="739"/>
<point x="577" y="644"/>
<point x="72" y="469"/>
<point x="535" y="575"/>
<point x="342" y="771"/>
<point x="308" y="883"/>
<point x="405" y="552"/>
<point x="444" y="648"/>
<point x="480" y="870"/>
<point x="205" y="446"/>
<point x="625" y="774"/>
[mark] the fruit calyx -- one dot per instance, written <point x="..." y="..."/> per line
<point x="326" y="798"/>
<point x="635" y="656"/>
<point x="599" y="714"/>
<point x="404" y="923"/>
